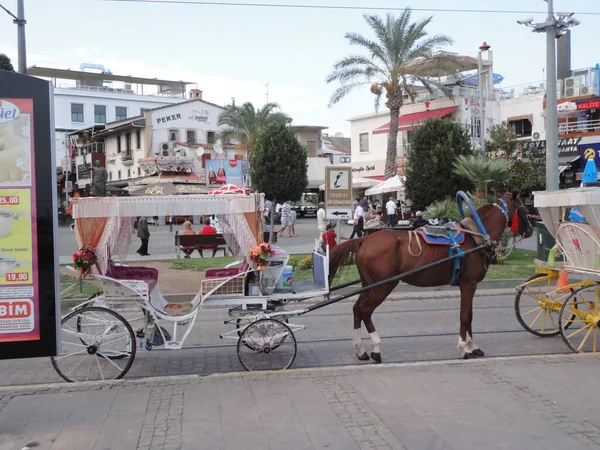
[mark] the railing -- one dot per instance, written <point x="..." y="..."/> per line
<point x="585" y="126"/>
<point x="119" y="91"/>
<point x="127" y="157"/>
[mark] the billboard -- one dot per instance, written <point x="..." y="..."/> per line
<point x="223" y="171"/>
<point x="29" y="303"/>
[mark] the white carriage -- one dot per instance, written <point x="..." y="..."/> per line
<point x="100" y="336"/>
<point x="549" y="304"/>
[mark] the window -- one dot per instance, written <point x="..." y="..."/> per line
<point x="128" y="142"/>
<point x="191" y="136"/>
<point x="120" y="112"/>
<point x="110" y="175"/>
<point x="118" y="143"/>
<point x="128" y="173"/>
<point x="173" y="135"/>
<point x="363" y="142"/>
<point x="118" y="174"/>
<point x="143" y="110"/>
<point x="139" y="172"/>
<point x="99" y="114"/>
<point x="311" y="148"/>
<point x="521" y="127"/>
<point x="210" y="137"/>
<point x="475" y="128"/>
<point x="76" y="112"/>
<point x="138" y="139"/>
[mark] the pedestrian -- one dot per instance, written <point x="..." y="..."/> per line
<point x="286" y="210"/>
<point x="144" y="234"/>
<point x="329" y="238"/>
<point x="359" y="220"/>
<point x="392" y="210"/>
<point x="292" y="226"/>
<point x="187" y="230"/>
<point x="321" y="221"/>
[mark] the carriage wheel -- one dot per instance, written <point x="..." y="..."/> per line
<point x="536" y="310"/>
<point x="267" y="344"/>
<point x="239" y="325"/>
<point x="580" y="320"/>
<point x="97" y="344"/>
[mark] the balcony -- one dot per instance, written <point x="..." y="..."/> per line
<point x="580" y="127"/>
<point x="127" y="158"/>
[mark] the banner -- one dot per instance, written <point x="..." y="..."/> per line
<point x="29" y="299"/>
<point x="589" y="151"/>
<point x="222" y="171"/>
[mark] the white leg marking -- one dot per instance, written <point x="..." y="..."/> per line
<point x="375" y="340"/>
<point x="467" y="346"/>
<point x="470" y="340"/>
<point x="357" y="342"/>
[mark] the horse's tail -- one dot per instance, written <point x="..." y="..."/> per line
<point x="341" y="254"/>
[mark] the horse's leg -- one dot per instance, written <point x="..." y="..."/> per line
<point x="367" y="307"/>
<point x="360" y="351"/>
<point x="466" y="345"/>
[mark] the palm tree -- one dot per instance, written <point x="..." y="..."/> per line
<point x="480" y="171"/>
<point x="389" y="67"/>
<point x="245" y="122"/>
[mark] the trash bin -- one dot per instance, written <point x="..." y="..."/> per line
<point x="545" y="241"/>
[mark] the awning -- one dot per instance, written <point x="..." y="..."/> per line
<point x="407" y="121"/>
<point x="393" y="184"/>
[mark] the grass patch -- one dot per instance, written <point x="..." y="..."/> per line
<point x="89" y="288"/>
<point x="519" y="265"/>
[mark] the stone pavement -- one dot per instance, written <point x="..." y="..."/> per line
<point x="511" y="403"/>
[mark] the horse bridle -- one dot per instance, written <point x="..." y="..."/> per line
<point x="504" y="210"/>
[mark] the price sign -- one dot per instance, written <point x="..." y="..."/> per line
<point x="17" y="276"/>
<point x="9" y="200"/>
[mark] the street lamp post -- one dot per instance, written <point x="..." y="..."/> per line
<point x="19" y="19"/>
<point x="554" y="29"/>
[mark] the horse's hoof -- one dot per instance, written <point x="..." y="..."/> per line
<point x="363" y="357"/>
<point x="468" y="356"/>
<point x="376" y="357"/>
<point x="478" y="353"/>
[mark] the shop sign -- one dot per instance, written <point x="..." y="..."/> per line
<point x="29" y="300"/>
<point x="338" y="192"/>
<point x="368" y="169"/>
<point x="168" y="118"/>
<point x="590" y="151"/>
<point x="593" y="104"/>
<point x="566" y="147"/>
<point x="223" y="171"/>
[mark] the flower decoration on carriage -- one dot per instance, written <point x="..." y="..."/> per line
<point x="84" y="259"/>
<point x="260" y="253"/>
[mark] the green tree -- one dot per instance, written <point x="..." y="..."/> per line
<point x="5" y="63"/>
<point x="429" y="176"/>
<point x="245" y="122"/>
<point x="279" y="168"/>
<point x="388" y="66"/>
<point x="503" y="141"/>
<point x="480" y="171"/>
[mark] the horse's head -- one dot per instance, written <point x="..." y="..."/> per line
<point x="517" y="221"/>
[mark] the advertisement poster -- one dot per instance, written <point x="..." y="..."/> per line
<point x="19" y="290"/>
<point x="222" y="171"/>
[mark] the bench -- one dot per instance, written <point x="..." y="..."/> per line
<point x="196" y="241"/>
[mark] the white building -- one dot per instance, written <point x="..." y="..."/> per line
<point x="83" y="99"/>
<point x="176" y="139"/>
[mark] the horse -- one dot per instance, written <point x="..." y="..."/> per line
<point x="389" y="253"/>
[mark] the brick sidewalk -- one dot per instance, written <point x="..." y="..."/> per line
<point x="519" y="403"/>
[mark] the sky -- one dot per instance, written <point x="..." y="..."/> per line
<point x="234" y="51"/>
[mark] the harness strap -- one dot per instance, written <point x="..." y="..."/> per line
<point x="414" y="234"/>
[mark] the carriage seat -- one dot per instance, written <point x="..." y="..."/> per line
<point x="227" y="272"/>
<point x="147" y="274"/>
<point x="439" y="234"/>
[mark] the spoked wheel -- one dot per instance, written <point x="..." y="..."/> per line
<point x="580" y="320"/>
<point x="97" y="344"/>
<point x="239" y="325"/>
<point x="537" y="307"/>
<point x="267" y="344"/>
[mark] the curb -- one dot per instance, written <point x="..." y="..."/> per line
<point x="50" y="388"/>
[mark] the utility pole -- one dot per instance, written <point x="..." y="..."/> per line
<point x="554" y="29"/>
<point x="267" y="94"/>
<point x="19" y="19"/>
<point x="480" y="85"/>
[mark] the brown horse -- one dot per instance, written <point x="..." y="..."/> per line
<point x="389" y="253"/>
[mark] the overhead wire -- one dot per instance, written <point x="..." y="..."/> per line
<point x="339" y="7"/>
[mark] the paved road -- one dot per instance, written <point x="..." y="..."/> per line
<point x="412" y="329"/>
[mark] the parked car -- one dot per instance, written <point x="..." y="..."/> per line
<point x="307" y="206"/>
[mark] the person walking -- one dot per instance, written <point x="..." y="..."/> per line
<point x="144" y="234"/>
<point x="359" y="220"/>
<point x="292" y="226"/>
<point x="321" y="220"/>
<point x="286" y="216"/>
<point x="392" y="210"/>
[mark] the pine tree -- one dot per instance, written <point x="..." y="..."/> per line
<point x="5" y="63"/>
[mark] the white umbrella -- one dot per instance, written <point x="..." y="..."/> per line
<point x="393" y="184"/>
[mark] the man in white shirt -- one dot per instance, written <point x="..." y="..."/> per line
<point x="321" y="221"/>
<point x="359" y="219"/>
<point x="391" y="208"/>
